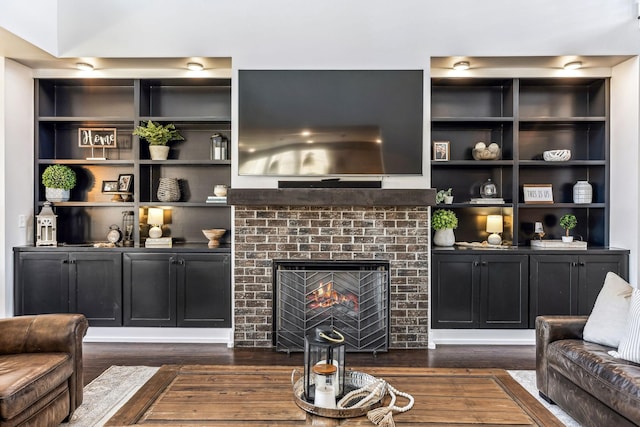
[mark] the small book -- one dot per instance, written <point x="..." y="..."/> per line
<point x="487" y="201"/>
<point x="216" y="199"/>
<point x="160" y="242"/>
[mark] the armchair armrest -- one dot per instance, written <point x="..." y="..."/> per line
<point x="48" y="333"/>
<point x="548" y="330"/>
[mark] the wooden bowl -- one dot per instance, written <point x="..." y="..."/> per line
<point x="214" y="235"/>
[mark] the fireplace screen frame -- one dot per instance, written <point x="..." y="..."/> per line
<point x="288" y="335"/>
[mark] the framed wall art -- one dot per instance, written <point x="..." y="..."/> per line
<point x="538" y="193"/>
<point x="441" y="151"/>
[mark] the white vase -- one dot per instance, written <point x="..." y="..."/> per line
<point x="567" y="239"/>
<point x="444" y="237"/>
<point x="582" y="192"/>
<point x="159" y="152"/>
<point x="57" y="194"/>
<point x="448" y="200"/>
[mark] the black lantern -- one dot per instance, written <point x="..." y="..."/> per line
<point x="323" y="346"/>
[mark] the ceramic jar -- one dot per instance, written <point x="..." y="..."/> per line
<point x="444" y="237"/>
<point x="582" y="192"/>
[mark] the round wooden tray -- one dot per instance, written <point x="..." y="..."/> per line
<point x="353" y="381"/>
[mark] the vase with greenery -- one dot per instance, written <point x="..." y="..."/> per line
<point x="445" y="196"/>
<point x="58" y="181"/>
<point x="158" y="136"/>
<point x="444" y="221"/>
<point x="568" y="222"/>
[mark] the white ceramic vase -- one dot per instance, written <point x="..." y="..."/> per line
<point x="57" y="194"/>
<point x="567" y="239"/>
<point x="444" y="237"/>
<point x="159" y="152"/>
<point x="582" y="192"/>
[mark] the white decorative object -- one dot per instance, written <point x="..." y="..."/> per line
<point x="448" y="200"/>
<point x="582" y="192"/>
<point x="556" y="155"/>
<point x="630" y="342"/>
<point x="444" y="237"/>
<point x="57" y="194"/>
<point x="159" y="152"/>
<point x="214" y="235"/>
<point x="220" y="190"/>
<point x="481" y="151"/>
<point x="155" y="218"/>
<point x="46" y="226"/>
<point x="567" y="239"/>
<point x="494" y="226"/>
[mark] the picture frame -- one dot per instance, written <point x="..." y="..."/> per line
<point x="98" y="137"/>
<point x="441" y="151"/>
<point x="125" y="183"/>
<point x="109" y="186"/>
<point x="537" y="193"/>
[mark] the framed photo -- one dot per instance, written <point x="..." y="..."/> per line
<point x="441" y="151"/>
<point x="109" y="186"/>
<point x="97" y="137"/>
<point x="538" y="193"/>
<point x="125" y="183"/>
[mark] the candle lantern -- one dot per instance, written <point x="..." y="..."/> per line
<point x="324" y="352"/>
<point x="219" y="147"/>
<point x="46" y="226"/>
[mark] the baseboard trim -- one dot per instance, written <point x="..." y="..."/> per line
<point x="161" y="335"/>
<point x="481" y="337"/>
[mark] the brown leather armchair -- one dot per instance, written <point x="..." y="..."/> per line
<point x="40" y="368"/>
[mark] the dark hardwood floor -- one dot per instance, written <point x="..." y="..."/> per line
<point x="99" y="356"/>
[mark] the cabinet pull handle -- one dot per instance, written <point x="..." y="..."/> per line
<point x="581" y="263"/>
<point x="476" y="264"/>
<point x="483" y="263"/>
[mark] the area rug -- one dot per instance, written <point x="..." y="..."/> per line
<point x="107" y="393"/>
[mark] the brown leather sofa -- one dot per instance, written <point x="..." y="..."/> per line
<point x="593" y="387"/>
<point x="40" y="368"/>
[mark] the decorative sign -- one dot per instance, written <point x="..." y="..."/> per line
<point x="538" y="193"/>
<point x="97" y="137"/>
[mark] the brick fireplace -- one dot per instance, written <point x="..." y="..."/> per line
<point x="295" y="225"/>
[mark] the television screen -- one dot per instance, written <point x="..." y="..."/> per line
<point x="330" y="122"/>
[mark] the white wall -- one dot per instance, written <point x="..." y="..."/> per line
<point x="32" y="20"/>
<point x="625" y="161"/>
<point x="17" y="185"/>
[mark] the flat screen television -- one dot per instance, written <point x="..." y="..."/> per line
<point x="330" y="122"/>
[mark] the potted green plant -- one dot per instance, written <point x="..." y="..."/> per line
<point x="58" y="181"/>
<point x="444" y="196"/>
<point x="568" y="222"/>
<point x="158" y="136"/>
<point x="444" y="221"/>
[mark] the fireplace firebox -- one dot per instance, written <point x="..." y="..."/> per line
<point x="350" y="296"/>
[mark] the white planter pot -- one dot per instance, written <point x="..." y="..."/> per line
<point x="448" y="200"/>
<point x="444" y="237"/>
<point x="159" y="152"/>
<point x="567" y="239"/>
<point x="57" y="194"/>
<point x="582" y="192"/>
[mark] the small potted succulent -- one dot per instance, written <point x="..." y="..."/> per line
<point x="58" y="181"/>
<point x="568" y="222"/>
<point x="158" y="136"/>
<point x="444" y="196"/>
<point x="444" y="221"/>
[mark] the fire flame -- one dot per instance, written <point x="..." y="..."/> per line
<point x="326" y="296"/>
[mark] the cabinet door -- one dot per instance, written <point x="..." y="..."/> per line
<point x="504" y="287"/>
<point x="149" y="283"/>
<point x="41" y="283"/>
<point x="553" y="285"/>
<point x="96" y="287"/>
<point x="593" y="270"/>
<point x="454" y="297"/>
<point x="204" y="290"/>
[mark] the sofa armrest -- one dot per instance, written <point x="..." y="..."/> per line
<point x="48" y="333"/>
<point x="548" y="330"/>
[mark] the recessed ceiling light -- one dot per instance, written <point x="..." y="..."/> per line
<point x="83" y="66"/>
<point x="195" y="66"/>
<point x="461" y="66"/>
<point x="573" y="65"/>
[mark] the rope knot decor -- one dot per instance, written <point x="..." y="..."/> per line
<point x="382" y="416"/>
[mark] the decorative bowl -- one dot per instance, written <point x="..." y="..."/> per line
<point x="556" y="155"/>
<point x="481" y="151"/>
<point x="214" y="235"/>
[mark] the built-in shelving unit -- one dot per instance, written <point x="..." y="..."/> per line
<point x="198" y="108"/>
<point x="525" y="117"/>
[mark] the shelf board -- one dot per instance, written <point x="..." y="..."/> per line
<point x="473" y="163"/>
<point x="90" y="204"/>
<point x="472" y="119"/>
<point x="473" y="205"/>
<point x="563" y="119"/>
<point x="194" y="119"/>
<point x="93" y="119"/>
<point x="86" y="162"/>
<point x="562" y="205"/>
<point x="542" y="163"/>
<point x="185" y="204"/>
<point x="185" y="162"/>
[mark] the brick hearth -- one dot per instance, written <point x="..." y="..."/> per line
<point x="398" y="234"/>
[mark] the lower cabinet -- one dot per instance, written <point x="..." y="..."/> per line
<point x="479" y="291"/>
<point x="177" y="289"/>
<point x="509" y="289"/>
<point x="570" y="284"/>
<point x="70" y="282"/>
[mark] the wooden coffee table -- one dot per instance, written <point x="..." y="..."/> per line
<point x="263" y="396"/>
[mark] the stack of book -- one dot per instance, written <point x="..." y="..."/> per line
<point x="216" y="199"/>
<point x="160" y="242"/>
<point x="487" y="201"/>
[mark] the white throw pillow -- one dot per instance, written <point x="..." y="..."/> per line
<point x="608" y="319"/>
<point x="630" y="343"/>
